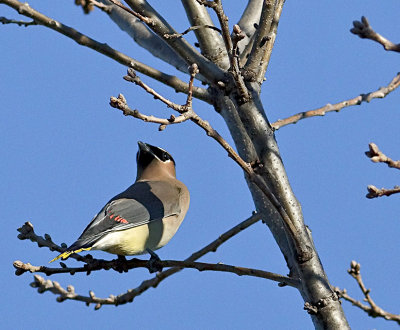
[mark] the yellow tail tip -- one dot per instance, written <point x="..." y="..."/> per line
<point x="66" y="254"/>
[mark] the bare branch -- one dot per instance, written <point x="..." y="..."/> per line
<point x="373" y="309"/>
<point x="259" y="57"/>
<point x="103" y="7"/>
<point x="380" y="93"/>
<point x="153" y="282"/>
<point x="192" y="28"/>
<point x="26" y="231"/>
<point x="190" y="55"/>
<point x="145" y="38"/>
<point x="97" y="264"/>
<point x="120" y="103"/>
<point x="4" y="20"/>
<point x="158" y="264"/>
<point x="378" y="156"/>
<point x="364" y="30"/>
<point x="216" y="5"/>
<point x="250" y="20"/>
<point x="374" y="192"/>
<point x="44" y="285"/>
<point x="172" y="81"/>
<point x="211" y="43"/>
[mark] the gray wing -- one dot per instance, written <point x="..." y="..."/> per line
<point x="140" y="204"/>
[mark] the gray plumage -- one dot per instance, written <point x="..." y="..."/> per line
<point x="144" y="216"/>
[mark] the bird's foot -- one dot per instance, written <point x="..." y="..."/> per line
<point x="121" y="265"/>
<point x="154" y="262"/>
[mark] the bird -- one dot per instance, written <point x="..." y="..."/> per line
<point x="145" y="216"/>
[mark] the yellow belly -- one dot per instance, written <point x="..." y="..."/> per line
<point x="136" y="240"/>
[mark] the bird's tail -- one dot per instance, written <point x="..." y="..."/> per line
<point x="67" y="253"/>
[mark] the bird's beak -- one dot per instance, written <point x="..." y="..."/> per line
<point x="144" y="147"/>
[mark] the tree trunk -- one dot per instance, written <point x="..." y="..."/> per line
<point x="256" y="144"/>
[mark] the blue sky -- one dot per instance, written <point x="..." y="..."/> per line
<point x="65" y="152"/>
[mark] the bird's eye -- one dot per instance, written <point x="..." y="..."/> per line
<point x="165" y="156"/>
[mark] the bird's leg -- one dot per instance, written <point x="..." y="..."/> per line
<point x="120" y="264"/>
<point x="153" y="263"/>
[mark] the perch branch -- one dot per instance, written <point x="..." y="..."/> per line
<point x="159" y="264"/>
<point x="380" y="93"/>
<point x="378" y="156"/>
<point x="302" y="252"/>
<point x="373" y="309"/>
<point x="364" y="30"/>
<point x="374" y="192"/>
<point x="47" y="285"/>
<point x="81" y="39"/>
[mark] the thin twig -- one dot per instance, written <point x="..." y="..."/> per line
<point x="364" y="30"/>
<point x="374" y="192"/>
<point x="120" y="103"/>
<point x="26" y="231"/>
<point x="373" y="309"/>
<point x="169" y="80"/>
<point x="380" y="93"/>
<point x="143" y="18"/>
<point x="378" y="156"/>
<point x="103" y="7"/>
<point x="4" y="20"/>
<point x="192" y="28"/>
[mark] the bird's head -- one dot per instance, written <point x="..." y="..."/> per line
<point x="153" y="162"/>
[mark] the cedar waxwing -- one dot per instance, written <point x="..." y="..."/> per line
<point x="142" y="218"/>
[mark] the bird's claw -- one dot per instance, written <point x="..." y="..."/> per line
<point x="120" y="265"/>
<point x="154" y="262"/>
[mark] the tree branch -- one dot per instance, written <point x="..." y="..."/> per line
<point x="364" y="30"/>
<point x="190" y="55"/>
<point x="380" y="93"/>
<point x="211" y="43"/>
<point x="260" y="55"/>
<point x="158" y="264"/>
<point x="234" y="69"/>
<point x="378" y="156"/>
<point x="374" y="192"/>
<point x="26" y="231"/>
<point x="192" y="28"/>
<point x="83" y="40"/>
<point x="4" y="20"/>
<point x="47" y="285"/>
<point x="145" y="38"/>
<point x="249" y="21"/>
<point x="373" y="309"/>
